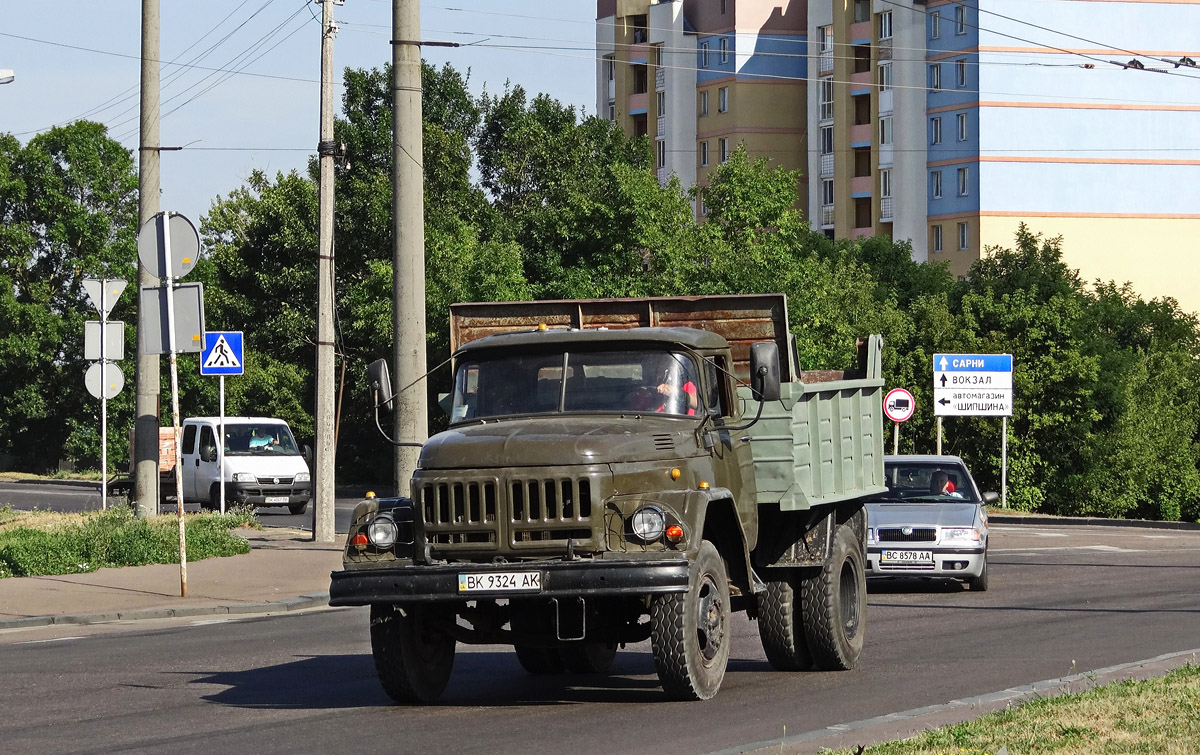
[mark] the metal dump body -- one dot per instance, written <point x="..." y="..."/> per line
<point x="822" y="442"/>
<point x="742" y="320"/>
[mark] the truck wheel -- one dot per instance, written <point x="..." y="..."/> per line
<point x="298" y="508"/>
<point x="413" y="656"/>
<point x="690" y="632"/>
<point x="834" y="604"/>
<point x="980" y="583"/>
<point x="589" y="658"/>
<point x="781" y="626"/>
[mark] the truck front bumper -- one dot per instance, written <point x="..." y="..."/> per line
<point x="559" y="579"/>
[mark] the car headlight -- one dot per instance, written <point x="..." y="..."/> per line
<point x="870" y="534"/>
<point x="968" y="535"/>
<point x="382" y="532"/>
<point x="302" y="477"/>
<point x="244" y="477"/>
<point x="648" y="523"/>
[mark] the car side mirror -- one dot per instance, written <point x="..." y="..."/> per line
<point x="380" y="383"/>
<point x="764" y="370"/>
<point x="307" y="453"/>
<point x="991" y="497"/>
<point x="208" y="453"/>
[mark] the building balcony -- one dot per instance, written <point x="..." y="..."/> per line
<point x="862" y="134"/>
<point x="636" y="103"/>
<point x="664" y="176"/>
<point x="827" y="215"/>
<point x="827" y="164"/>
<point x="862" y="233"/>
<point x="660" y="79"/>
<point x="639" y="53"/>
<point x="885" y="209"/>
<point x="863" y="80"/>
<point x="860" y="30"/>
<point x="887" y="101"/>
<point x="662" y="126"/>
<point x="883" y="49"/>
<point x="826" y="64"/>
<point x="861" y="186"/>
<point x="612" y="90"/>
<point x="887" y="156"/>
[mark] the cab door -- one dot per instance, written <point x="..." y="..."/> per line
<point x="205" y="472"/>
<point x="733" y="463"/>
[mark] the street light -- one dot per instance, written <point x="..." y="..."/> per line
<point x="6" y="75"/>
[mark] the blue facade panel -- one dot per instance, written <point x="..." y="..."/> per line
<point x="952" y="202"/>
<point x="1074" y="188"/>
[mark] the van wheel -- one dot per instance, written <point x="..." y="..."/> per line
<point x="214" y="499"/>
<point x="690" y="632"/>
<point x="781" y="626"/>
<point x="413" y="654"/>
<point x="834" y="604"/>
<point x="298" y="508"/>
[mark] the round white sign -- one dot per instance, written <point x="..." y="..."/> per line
<point x="899" y="405"/>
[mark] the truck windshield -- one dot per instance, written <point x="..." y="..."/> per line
<point x="585" y="381"/>
<point x="259" y="438"/>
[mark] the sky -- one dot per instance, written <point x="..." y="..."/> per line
<point x="77" y="59"/>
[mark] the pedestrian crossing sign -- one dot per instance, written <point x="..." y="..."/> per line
<point x="222" y="354"/>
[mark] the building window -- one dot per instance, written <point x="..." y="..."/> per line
<point x="662" y="103"/>
<point x="885" y="76"/>
<point x="935" y="76"/>
<point x="703" y="208"/>
<point x="964" y="181"/>
<point x="658" y="55"/>
<point x="704" y="54"/>
<point x="960" y="19"/>
<point x="935" y="130"/>
<point x="935" y="25"/>
<point x="825" y="34"/>
<point x="703" y="154"/>
<point x="885" y="25"/>
<point x="827" y="140"/>
<point x="960" y="73"/>
<point x="724" y="7"/>
<point x="825" y="98"/>
<point x="885" y="183"/>
<point x="724" y="49"/>
<point x="612" y="111"/>
<point x="862" y="11"/>
<point x="964" y="237"/>
<point x="662" y="153"/>
<point x="962" y="127"/>
<point x="936" y="178"/>
<point x="723" y="144"/>
<point x="937" y="239"/>
<point x="885" y="130"/>
<point x="826" y="191"/>
<point x="723" y="100"/>
<point x="704" y="102"/>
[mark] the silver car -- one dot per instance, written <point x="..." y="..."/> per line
<point x="932" y="522"/>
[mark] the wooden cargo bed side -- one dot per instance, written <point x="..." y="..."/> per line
<point x="741" y="319"/>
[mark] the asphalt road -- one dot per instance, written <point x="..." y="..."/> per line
<point x="75" y="495"/>
<point x="1063" y="600"/>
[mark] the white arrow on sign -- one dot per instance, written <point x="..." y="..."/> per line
<point x="943" y="364"/>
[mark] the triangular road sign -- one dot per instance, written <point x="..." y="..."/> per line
<point x="222" y="355"/>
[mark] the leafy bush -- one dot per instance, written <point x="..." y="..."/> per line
<point x="117" y="538"/>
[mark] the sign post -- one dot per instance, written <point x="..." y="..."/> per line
<point x="222" y="355"/>
<point x="111" y="347"/>
<point x="899" y="406"/>
<point x="975" y="385"/>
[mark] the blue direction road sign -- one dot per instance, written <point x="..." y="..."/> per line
<point x="972" y="385"/>
<point x="222" y="354"/>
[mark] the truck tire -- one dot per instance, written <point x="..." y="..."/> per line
<point x="589" y="657"/>
<point x="781" y="626"/>
<point x="690" y="632"/>
<point x="413" y="657"/>
<point x="834" y="604"/>
<point x="980" y="583"/>
<point x="539" y="661"/>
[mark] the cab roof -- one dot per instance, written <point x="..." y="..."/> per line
<point x="559" y="338"/>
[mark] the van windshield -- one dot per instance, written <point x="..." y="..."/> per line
<point x="249" y="439"/>
<point x="586" y="381"/>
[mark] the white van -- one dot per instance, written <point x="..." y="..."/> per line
<point x="262" y="462"/>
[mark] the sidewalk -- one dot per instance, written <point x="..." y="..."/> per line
<point x="284" y="571"/>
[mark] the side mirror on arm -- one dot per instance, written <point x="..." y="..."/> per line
<point x="380" y="382"/>
<point x="764" y="371"/>
<point x="209" y="453"/>
<point x="991" y="497"/>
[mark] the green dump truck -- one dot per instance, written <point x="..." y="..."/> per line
<point x="610" y="475"/>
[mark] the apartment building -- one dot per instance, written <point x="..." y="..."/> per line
<point x="945" y="123"/>
<point x="700" y="77"/>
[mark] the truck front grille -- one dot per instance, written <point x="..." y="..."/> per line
<point x="550" y="509"/>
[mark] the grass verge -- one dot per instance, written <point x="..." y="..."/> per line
<point x="45" y="543"/>
<point x="1159" y="715"/>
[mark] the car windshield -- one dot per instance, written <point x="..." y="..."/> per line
<point x="586" y="381"/>
<point x="250" y="439"/>
<point x="927" y="482"/>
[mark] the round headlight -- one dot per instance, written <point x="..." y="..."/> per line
<point x="648" y="523"/>
<point x="244" y="477"/>
<point x="382" y="531"/>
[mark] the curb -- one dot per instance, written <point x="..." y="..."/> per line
<point x="1091" y="522"/>
<point x="299" y="603"/>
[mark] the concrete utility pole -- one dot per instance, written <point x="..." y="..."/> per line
<point x="147" y="380"/>
<point x="323" y="484"/>
<point x="408" y="259"/>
